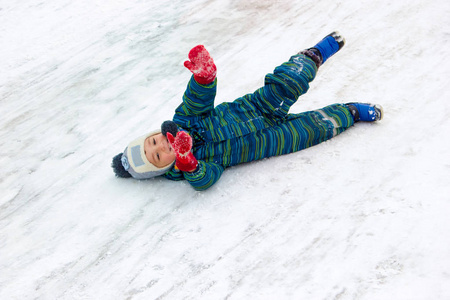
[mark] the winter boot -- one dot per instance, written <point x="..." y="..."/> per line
<point x="329" y="45"/>
<point x="366" y="112"/>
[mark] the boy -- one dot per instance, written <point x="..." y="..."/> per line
<point x="202" y="141"/>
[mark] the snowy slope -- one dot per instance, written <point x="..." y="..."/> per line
<point x="363" y="216"/>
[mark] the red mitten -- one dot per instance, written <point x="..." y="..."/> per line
<point x="182" y="145"/>
<point x="201" y="65"/>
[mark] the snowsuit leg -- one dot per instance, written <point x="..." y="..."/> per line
<point x="282" y="88"/>
<point x="292" y="132"/>
<point x="303" y="130"/>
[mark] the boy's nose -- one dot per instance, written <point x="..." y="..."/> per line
<point x="163" y="147"/>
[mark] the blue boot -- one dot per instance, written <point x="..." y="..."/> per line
<point x="329" y="45"/>
<point x="366" y="112"/>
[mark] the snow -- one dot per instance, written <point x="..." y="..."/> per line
<point x="362" y="216"/>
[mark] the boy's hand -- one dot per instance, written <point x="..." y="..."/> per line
<point x="182" y="145"/>
<point x="201" y="65"/>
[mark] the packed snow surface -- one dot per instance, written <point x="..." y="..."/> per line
<point x="365" y="215"/>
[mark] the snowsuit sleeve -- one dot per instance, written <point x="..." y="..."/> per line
<point x="201" y="179"/>
<point x="205" y="176"/>
<point x="198" y="100"/>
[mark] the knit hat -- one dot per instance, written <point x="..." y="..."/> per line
<point x="133" y="162"/>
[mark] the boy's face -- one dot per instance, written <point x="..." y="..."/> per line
<point x="158" y="150"/>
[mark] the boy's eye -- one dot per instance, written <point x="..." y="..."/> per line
<point x="154" y="142"/>
<point x="157" y="156"/>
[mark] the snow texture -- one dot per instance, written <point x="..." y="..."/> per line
<point x="362" y="216"/>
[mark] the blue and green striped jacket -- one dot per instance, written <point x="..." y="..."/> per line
<point x="256" y="125"/>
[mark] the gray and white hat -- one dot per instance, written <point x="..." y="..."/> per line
<point x="136" y="163"/>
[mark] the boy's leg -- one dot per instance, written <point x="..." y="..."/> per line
<point x="307" y="129"/>
<point x="284" y="86"/>
<point x="291" y="79"/>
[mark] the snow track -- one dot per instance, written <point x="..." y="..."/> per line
<point x="362" y="216"/>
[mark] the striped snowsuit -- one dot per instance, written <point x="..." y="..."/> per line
<point x="256" y="125"/>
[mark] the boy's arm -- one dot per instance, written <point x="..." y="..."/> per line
<point x="199" y="96"/>
<point x="174" y="175"/>
<point x="201" y="175"/>
<point x="205" y="176"/>
<point x="198" y="99"/>
<point x="202" y="178"/>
